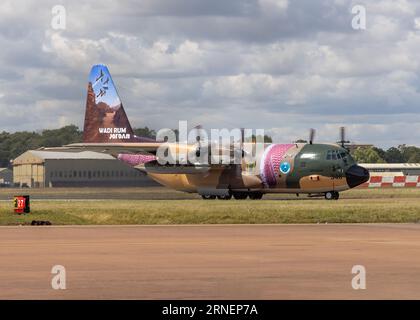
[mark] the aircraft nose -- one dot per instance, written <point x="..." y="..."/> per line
<point x="356" y="175"/>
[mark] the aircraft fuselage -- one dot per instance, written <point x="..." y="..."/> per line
<point x="280" y="168"/>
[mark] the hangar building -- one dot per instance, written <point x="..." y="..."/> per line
<point x="392" y="175"/>
<point x="37" y="169"/>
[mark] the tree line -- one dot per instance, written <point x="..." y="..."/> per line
<point x="14" y="144"/>
<point x="400" y="154"/>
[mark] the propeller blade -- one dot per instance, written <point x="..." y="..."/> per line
<point x="197" y="135"/>
<point x="311" y="135"/>
<point x="242" y="141"/>
<point x="343" y="140"/>
<point x="197" y="130"/>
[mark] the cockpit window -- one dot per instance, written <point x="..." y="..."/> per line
<point x="335" y="155"/>
<point x="329" y="155"/>
<point x="308" y="155"/>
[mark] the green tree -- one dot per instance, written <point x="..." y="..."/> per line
<point x="394" y="155"/>
<point x="410" y="154"/>
<point x="367" y="155"/>
<point x="58" y="137"/>
<point x="414" y="158"/>
<point x="145" y="132"/>
<point x="14" y="144"/>
<point x="381" y="152"/>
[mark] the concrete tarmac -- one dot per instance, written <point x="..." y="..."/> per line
<point x="211" y="262"/>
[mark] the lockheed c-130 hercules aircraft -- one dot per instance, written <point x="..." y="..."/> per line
<point x="300" y="168"/>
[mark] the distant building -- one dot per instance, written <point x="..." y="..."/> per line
<point x="6" y="177"/>
<point x="406" y="169"/>
<point x="392" y="175"/>
<point x="37" y="169"/>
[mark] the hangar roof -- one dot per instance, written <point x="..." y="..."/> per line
<point x="390" y="165"/>
<point x="38" y="156"/>
<point x="70" y="155"/>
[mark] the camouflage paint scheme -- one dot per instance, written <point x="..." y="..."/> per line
<point x="280" y="168"/>
<point x="313" y="175"/>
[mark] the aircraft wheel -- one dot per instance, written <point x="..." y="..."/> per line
<point x="336" y="195"/>
<point x="208" y="197"/>
<point x="240" y="195"/>
<point x="255" y="195"/>
<point x="226" y="197"/>
<point x="329" y="195"/>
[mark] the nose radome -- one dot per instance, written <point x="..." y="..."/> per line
<point x="356" y="175"/>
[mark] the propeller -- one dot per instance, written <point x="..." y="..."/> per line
<point x="343" y="140"/>
<point x="197" y="137"/>
<point x="242" y="142"/>
<point x="311" y="135"/>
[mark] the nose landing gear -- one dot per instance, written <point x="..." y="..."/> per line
<point x="332" y="195"/>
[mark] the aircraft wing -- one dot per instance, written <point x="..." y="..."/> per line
<point x="145" y="148"/>
<point x="110" y="148"/>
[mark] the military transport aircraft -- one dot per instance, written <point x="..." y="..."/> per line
<point x="300" y="168"/>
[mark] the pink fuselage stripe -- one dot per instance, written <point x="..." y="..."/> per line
<point x="135" y="159"/>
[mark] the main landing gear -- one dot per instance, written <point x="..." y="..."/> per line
<point x="236" y="195"/>
<point x="208" y="197"/>
<point x="332" y="195"/>
<point x="212" y="197"/>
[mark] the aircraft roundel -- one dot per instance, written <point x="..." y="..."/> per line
<point x="285" y="167"/>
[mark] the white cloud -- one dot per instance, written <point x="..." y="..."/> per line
<point x="281" y="65"/>
<point x="274" y="6"/>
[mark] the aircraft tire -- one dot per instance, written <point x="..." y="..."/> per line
<point x="255" y="195"/>
<point x="329" y="195"/>
<point x="208" y="197"/>
<point x="336" y="195"/>
<point x="240" y="195"/>
<point x="226" y="197"/>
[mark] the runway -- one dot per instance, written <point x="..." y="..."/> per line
<point x="211" y="262"/>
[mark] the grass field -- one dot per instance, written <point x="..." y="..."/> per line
<point x="163" y="206"/>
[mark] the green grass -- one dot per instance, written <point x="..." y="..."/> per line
<point x="356" y="206"/>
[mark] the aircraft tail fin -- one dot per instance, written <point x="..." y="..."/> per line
<point x="105" y="118"/>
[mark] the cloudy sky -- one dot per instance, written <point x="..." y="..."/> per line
<point x="281" y="65"/>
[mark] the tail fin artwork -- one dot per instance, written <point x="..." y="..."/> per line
<point x="105" y="118"/>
